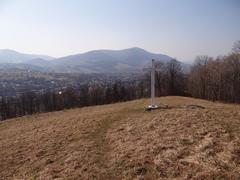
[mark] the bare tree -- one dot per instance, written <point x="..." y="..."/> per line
<point x="236" y="47"/>
<point x="175" y="76"/>
<point x="198" y="77"/>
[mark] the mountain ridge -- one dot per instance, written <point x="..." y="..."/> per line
<point x="95" y="61"/>
<point x="12" y="56"/>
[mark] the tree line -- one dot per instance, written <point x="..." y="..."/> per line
<point x="216" y="80"/>
<point x="87" y="95"/>
<point x="212" y="79"/>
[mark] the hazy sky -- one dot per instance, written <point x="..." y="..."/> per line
<point x="179" y="28"/>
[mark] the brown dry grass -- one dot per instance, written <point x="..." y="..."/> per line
<point x="122" y="141"/>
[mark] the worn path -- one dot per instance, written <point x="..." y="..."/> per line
<point x="122" y="141"/>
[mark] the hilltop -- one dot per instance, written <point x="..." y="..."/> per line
<point x="122" y="141"/>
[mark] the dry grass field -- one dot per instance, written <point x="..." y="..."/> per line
<point x="122" y="141"/>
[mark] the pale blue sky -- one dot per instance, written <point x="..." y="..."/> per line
<point x="179" y="28"/>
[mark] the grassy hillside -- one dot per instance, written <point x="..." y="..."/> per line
<point x="122" y="141"/>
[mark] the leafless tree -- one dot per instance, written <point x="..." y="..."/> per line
<point x="236" y="47"/>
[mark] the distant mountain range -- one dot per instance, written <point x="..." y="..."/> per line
<point x="98" y="61"/>
<point x="11" y="56"/>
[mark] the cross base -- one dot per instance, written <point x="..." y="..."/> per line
<point x="152" y="107"/>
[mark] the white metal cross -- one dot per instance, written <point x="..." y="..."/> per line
<point x="153" y="105"/>
<point x="153" y="83"/>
